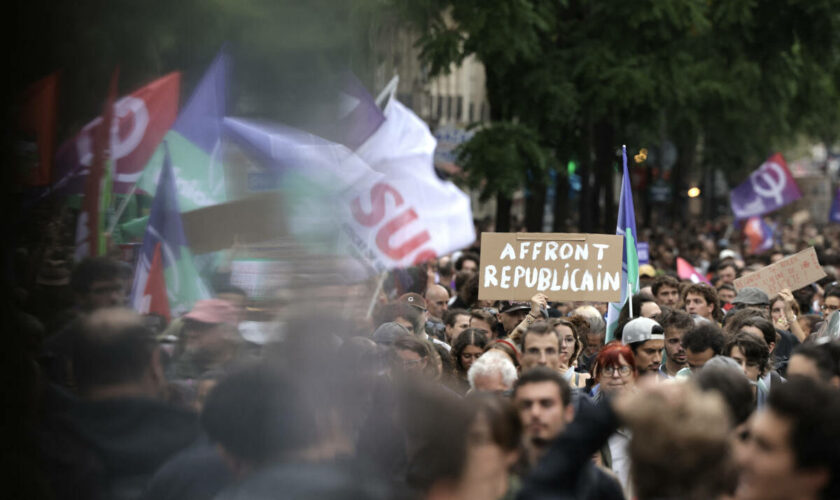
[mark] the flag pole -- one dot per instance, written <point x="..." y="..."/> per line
<point x="379" y="282"/>
<point x="630" y="299"/>
<point x="122" y="208"/>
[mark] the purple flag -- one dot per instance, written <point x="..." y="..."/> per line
<point x="358" y="117"/>
<point x="834" y="215"/>
<point x="767" y="189"/>
<point x="200" y="121"/>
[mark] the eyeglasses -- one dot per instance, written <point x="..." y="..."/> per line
<point x="828" y="308"/>
<point x="623" y="370"/>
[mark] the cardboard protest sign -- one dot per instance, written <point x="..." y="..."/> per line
<point x="563" y="266"/>
<point x="792" y="272"/>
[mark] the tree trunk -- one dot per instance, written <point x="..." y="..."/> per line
<point x="561" y="202"/>
<point x="535" y="207"/>
<point x="503" y="206"/>
<point x="586" y="193"/>
<point x="686" y="143"/>
<point x="604" y="140"/>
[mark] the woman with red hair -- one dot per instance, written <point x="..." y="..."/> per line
<point x="614" y="370"/>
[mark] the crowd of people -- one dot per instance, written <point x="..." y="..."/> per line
<point x="699" y="392"/>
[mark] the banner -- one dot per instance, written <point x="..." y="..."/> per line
<point x="767" y="189"/>
<point x="36" y="124"/>
<point x="565" y="267"/>
<point x="792" y="272"/>
<point x="384" y="198"/>
<point x="142" y="119"/>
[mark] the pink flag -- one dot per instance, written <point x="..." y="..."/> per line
<point x="687" y="272"/>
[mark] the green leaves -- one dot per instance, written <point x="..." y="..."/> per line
<point x="508" y="153"/>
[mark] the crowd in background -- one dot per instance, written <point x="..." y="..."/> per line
<point x="701" y="391"/>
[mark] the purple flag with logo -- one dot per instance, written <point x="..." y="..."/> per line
<point x="767" y="189"/>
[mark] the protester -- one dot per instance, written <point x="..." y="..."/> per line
<point x="541" y="347"/>
<point x="593" y="339"/>
<point x="615" y="369"/>
<point x="701" y="300"/>
<point x="646" y="339"/>
<point x="723" y="375"/>
<point x="111" y="441"/>
<point x="644" y="306"/>
<point x="508" y="348"/>
<point x="493" y="372"/>
<point x="701" y="343"/>
<point x="437" y="300"/>
<point x="511" y="314"/>
<point x="792" y="447"/>
<point x="543" y="400"/>
<point x="468" y="347"/>
<point x="726" y="293"/>
<point x="412" y="356"/>
<point x="615" y="372"/>
<point x="831" y="301"/>
<point x="675" y="323"/>
<point x="820" y="362"/>
<point x="666" y="291"/>
<point x="455" y="321"/>
<point x="485" y="320"/>
<point x="753" y="357"/>
<point x="209" y="340"/>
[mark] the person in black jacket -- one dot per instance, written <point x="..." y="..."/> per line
<point x="108" y="443"/>
<point x="544" y="402"/>
<point x="680" y="447"/>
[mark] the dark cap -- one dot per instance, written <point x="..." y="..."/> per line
<point x="751" y="296"/>
<point x="508" y="306"/>
<point x="413" y="299"/>
<point x="388" y="332"/>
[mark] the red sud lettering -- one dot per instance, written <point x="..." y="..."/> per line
<point x="377" y="205"/>
<point x="383" y="236"/>
<point x="378" y="213"/>
<point x="425" y="255"/>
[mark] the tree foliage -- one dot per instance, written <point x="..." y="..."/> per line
<point x="739" y="77"/>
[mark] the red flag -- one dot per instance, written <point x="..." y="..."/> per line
<point x="89" y="227"/>
<point x="142" y="119"/>
<point x="36" y="122"/>
<point x="155" y="300"/>
<point x="687" y="272"/>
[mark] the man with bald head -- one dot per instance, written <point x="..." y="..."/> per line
<point x="437" y="303"/>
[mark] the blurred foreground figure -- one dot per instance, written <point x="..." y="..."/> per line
<point x="108" y="444"/>
<point x="543" y="399"/>
<point x="97" y="283"/>
<point x="274" y="436"/>
<point x="209" y="339"/>
<point x="791" y="449"/>
<point x="679" y="447"/>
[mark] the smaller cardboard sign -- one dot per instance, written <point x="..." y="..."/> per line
<point x="563" y="266"/>
<point x="792" y="272"/>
